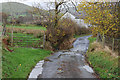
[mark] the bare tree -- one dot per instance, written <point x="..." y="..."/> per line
<point x="58" y="8"/>
<point x="12" y="20"/>
<point x="37" y="9"/>
<point x="61" y="5"/>
<point x="4" y="21"/>
<point x="11" y="14"/>
<point x="55" y="15"/>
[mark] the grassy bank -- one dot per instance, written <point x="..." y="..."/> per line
<point x="19" y="63"/>
<point x="102" y="61"/>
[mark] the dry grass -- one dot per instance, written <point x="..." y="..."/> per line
<point x="35" y="32"/>
<point x="98" y="47"/>
<point x="67" y="44"/>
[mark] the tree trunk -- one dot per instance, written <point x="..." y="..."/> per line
<point x="4" y="30"/>
<point x="12" y="36"/>
<point x="56" y="15"/>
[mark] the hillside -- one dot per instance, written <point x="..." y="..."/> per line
<point x="15" y="8"/>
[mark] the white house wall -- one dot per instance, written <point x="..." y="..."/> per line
<point x="80" y="22"/>
<point x="68" y="15"/>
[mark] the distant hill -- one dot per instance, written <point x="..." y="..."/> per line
<point x="15" y="7"/>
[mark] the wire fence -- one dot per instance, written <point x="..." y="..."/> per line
<point x="27" y="41"/>
<point x="113" y="43"/>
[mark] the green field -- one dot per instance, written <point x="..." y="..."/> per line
<point x="77" y="36"/>
<point x="92" y="39"/>
<point x="28" y="27"/>
<point x="20" y="62"/>
<point x="105" y="65"/>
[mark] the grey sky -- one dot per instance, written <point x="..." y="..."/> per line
<point x="32" y="2"/>
<point x="43" y="4"/>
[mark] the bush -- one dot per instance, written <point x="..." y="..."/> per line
<point x="58" y="36"/>
<point x="6" y="43"/>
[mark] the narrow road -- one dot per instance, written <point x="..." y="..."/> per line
<point x="69" y="63"/>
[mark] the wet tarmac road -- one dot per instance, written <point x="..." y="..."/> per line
<point x="69" y="63"/>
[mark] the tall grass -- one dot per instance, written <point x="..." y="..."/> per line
<point x="104" y="64"/>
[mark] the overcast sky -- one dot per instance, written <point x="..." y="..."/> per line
<point x="31" y="2"/>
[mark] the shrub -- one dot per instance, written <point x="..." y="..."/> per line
<point x="6" y="43"/>
<point x="58" y="36"/>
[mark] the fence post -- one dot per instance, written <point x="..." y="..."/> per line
<point x="4" y="30"/>
<point x="12" y="36"/>
<point x="103" y="41"/>
<point x="113" y="44"/>
<point x="97" y="37"/>
<point x="44" y="40"/>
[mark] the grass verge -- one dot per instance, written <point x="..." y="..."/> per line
<point x="77" y="36"/>
<point x="104" y="64"/>
<point x="19" y="63"/>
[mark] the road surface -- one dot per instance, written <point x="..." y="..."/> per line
<point x="69" y="63"/>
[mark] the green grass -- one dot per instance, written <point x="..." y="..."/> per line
<point x="19" y="63"/>
<point x="103" y="63"/>
<point x="105" y="66"/>
<point x="29" y="27"/>
<point x="0" y="69"/>
<point x="92" y="39"/>
<point x="77" y="36"/>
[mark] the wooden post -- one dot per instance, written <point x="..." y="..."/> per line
<point x="44" y="40"/>
<point x="98" y="37"/>
<point x="4" y="28"/>
<point x="113" y="42"/>
<point x="12" y="36"/>
<point x="103" y="41"/>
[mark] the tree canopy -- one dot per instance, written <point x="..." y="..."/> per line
<point x="103" y="15"/>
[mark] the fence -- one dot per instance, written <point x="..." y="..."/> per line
<point x="112" y="42"/>
<point x="27" y="41"/>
